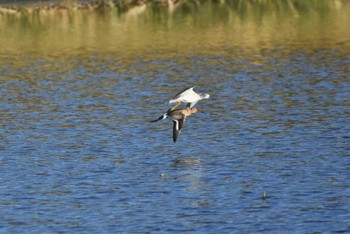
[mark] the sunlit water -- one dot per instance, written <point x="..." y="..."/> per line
<point x="268" y="154"/>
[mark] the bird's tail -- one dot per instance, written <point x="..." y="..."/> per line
<point x="160" y="118"/>
<point x="172" y="101"/>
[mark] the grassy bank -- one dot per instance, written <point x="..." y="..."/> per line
<point x="182" y="24"/>
<point x="123" y="6"/>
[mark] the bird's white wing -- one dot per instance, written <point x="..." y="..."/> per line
<point x="185" y="92"/>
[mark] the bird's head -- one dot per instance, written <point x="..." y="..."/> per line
<point x="194" y="110"/>
<point x="206" y="95"/>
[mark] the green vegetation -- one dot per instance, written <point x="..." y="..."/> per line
<point x="181" y="24"/>
<point x="243" y="7"/>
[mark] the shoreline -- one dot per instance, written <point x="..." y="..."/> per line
<point x="44" y="6"/>
<point x="122" y="6"/>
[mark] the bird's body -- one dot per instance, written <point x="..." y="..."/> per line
<point x="178" y="116"/>
<point x="188" y="96"/>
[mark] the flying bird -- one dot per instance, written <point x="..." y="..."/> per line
<point x="188" y="96"/>
<point x="178" y="116"/>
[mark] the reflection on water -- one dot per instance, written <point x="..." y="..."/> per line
<point x="188" y="25"/>
<point x="78" y="88"/>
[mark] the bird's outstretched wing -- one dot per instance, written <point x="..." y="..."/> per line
<point x="185" y="91"/>
<point x="177" y="127"/>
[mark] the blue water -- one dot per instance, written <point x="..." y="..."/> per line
<point x="268" y="154"/>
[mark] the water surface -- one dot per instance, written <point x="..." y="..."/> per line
<point x="78" y="154"/>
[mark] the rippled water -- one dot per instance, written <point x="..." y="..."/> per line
<point x="268" y="154"/>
